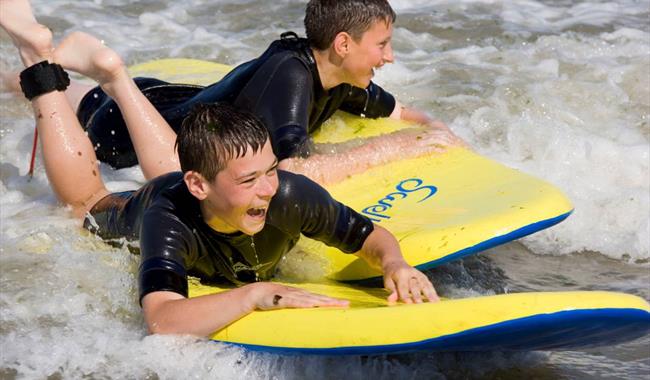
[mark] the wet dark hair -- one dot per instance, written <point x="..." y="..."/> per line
<point x="324" y="19"/>
<point x="213" y="134"/>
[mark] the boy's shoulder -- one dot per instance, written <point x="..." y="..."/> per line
<point x="289" y="45"/>
<point x="296" y="190"/>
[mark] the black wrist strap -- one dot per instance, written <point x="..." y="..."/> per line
<point x="42" y="78"/>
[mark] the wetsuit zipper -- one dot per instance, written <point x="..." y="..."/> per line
<point x="257" y="259"/>
<point x="365" y="106"/>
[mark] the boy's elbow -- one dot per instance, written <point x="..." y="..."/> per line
<point x="171" y="329"/>
<point x="156" y="328"/>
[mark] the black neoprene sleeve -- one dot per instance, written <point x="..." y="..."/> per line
<point x="373" y="102"/>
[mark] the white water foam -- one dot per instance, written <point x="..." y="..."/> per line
<point x="574" y="111"/>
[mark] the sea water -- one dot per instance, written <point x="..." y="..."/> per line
<point x="558" y="89"/>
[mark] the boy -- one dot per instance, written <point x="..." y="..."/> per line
<point x="293" y="87"/>
<point x="229" y="215"/>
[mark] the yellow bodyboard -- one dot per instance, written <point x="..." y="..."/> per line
<point x="527" y="321"/>
<point x="477" y="203"/>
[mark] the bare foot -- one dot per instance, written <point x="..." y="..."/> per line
<point x="33" y="40"/>
<point x="86" y="55"/>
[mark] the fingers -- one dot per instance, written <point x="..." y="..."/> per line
<point x="429" y="291"/>
<point x="404" y="290"/>
<point x="390" y="285"/>
<point x="438" y="125"/>
<point x="304" y="299"/>
<point x="439" y="135"/>
<point x="410" y="286"/>
<point x="415" y="289"/>
<point x="280" y="296"/>
<point x="440" y="138"/>
<point x="411" y="290"/>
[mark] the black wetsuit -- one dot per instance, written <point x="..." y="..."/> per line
<point x="176" y="242"/>
<point x="282" y="87"/>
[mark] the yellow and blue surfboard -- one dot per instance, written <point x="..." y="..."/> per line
<point x="525" y="321"/>
<point x="441" y="207"/>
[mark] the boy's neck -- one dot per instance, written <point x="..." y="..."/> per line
<point x="328" y="64"/>
<point x="213" y="221"/>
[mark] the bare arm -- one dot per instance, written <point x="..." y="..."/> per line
<point x="381" y="250"/>
<point x="171" y="313"/>
<point x="331" y="168"/>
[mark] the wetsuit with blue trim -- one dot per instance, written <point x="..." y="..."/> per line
<point x="175" y="241"/>
<point x="282" y="87"/>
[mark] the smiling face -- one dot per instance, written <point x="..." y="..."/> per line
<point x="371" y="51"/>
<point x="239" y="196"/>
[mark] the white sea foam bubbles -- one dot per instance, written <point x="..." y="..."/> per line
<point x="578" y="117"/>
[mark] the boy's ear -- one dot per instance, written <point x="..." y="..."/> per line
<point x="341" y="44"/>
<point x="196" y="184"/>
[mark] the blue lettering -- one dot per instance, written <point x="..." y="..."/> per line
<point x="376" y="212"/>
<point x="390" y="197"/>
<point x="432" y="189"/>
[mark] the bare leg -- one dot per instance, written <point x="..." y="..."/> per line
<point x="69" y="157"/>
<point x="153" y="139"/>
